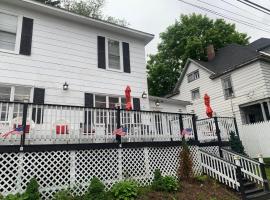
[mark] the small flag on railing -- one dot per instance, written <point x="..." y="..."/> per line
<point x="186" y="131"/>
<point x="18" y="130"/>
<point x="120" y="131"/>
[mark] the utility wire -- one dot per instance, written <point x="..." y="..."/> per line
<point x="234" y="13"/>
<point x="257" y="5"/>
<point x="224" y="16"/>
<point x="253" y="7"/>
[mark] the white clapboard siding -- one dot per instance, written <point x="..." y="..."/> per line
<point x="246" y="80"/>
<point x="256" y="138"/>
<point x="66" y="51"/>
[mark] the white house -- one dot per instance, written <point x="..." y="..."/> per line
<point x="235" y="77"/>
<point x="42" y="48"/>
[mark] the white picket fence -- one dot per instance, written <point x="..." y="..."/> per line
<point x="256" y="138"/>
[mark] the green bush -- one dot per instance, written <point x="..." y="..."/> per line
<point x="96" y="190"/>
<point x="236" y="144"/>
<point x="63" y="195"/>
<point x="31" y="191"/>
<point x="16" y="197"/>
<point x="125" y="190"/>
<point x="202" y="178"/>
<point x="167" y="183"/>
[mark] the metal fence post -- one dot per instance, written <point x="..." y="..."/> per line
<point x="262" y="168"/>
<point x="24" y="120"/>
<point x="235" y="126"/>
<point x="218" y="137"/>
<point x="239" y="177"/>
<point x="181" y="123"/>
<point x="194" y="127"/>
<point x="118" y="123"/>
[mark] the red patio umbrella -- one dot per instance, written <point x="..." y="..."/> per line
<point x="128" y="98"/>
<point x="209" y="111"/>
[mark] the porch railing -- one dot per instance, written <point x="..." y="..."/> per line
<point x="57" y="124"/>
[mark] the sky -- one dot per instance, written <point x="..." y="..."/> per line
<point x="154" y="16"/>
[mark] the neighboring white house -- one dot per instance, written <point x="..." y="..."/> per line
<point x="168" y="104"/>
<point x="235" y="77"/>
<point x="43" y="47"/>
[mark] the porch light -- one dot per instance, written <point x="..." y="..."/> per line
<point x="65" y="86"/>
<point x="157" y="103"/>
<point x="144" y="95"/>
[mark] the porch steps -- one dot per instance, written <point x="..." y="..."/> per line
<point x="259" y="196"/>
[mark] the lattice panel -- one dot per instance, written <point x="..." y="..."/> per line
<point x="62" y="169"/>
<point x="100" y="163"/>
<point x="9" y="166"/>
<point x="211" y="149"/>
<point x="51" y="169"/>
<point x="134" y="165"/>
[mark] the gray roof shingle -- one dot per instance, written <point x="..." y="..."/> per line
<point x="260" y="44"/>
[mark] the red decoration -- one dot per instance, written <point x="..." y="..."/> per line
<point x="209" y="111"/>
<point x="62" y="129"/>
<point x="128" y="98"/>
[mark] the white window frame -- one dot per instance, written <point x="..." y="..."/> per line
<point x="191" y="92"/>
<point x="18" y="33"/>
<point x="192" y="74"/>
<point x="223" y="86"/>
<point x="107" y="54"/>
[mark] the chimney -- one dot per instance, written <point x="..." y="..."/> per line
<point x="210" y="52"/>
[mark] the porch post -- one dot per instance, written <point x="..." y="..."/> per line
<point x="263" y="112"/>
<point x="118" y="123"/>
<point x="268" y="106"/>
<point x="24" y="120"/>
<point x="218" y="137"/>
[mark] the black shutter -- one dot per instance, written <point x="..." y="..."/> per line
<point x="38" y="113"/>
<point x="136" y="104"/>
<point x="88" y="102"/>
<point x="26" y="36"/>
<point x="126" y="57"/>
<point x="101" y="52"/>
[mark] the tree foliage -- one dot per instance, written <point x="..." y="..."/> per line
<point x="88" y="8"/>
<point x="185" y="165"/>
<point x="236" y="144"/>
<point x="187" y="38"/>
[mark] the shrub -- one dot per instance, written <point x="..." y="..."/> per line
<point x="202" y="178"/>
<point x="96" y="190"/>
<point x="16" y="197"/>
<point x="63" y="195"/>
<point x="157" y="182"/>
<point x="125" y="190"/>
<point x="167" y="183"/>
<point x="236" y="144"/>
<point x="32" y="192"/>
<point x="185" y="167"/>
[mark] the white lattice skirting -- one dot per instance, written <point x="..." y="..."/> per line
<point x="56" y="170"/>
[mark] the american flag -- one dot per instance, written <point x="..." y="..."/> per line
<point x="186" y="131"/>
<point x="18" y="130"/>
<point x="120" y="131"/>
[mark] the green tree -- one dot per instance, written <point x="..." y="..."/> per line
<point x="88" y="8"/>
<point x="187" y="38"/>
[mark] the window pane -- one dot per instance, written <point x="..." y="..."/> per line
<point x="5" y="93"/>
<point x="123" y="103"/>
<point x="100" y="101"/>
<point x="7" y="40"/>
<point x="8" y="29"/>
<point x="195" y="94"/>
<point x="22" y="94"/>
<point x="114" y="54"/>
<point x="113" y="101"/>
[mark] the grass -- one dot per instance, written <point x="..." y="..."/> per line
<point x="267" y="169"/>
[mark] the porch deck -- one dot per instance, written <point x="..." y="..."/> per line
<point x="63" y="124"/>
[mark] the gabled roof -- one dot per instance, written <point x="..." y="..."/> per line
<point x="260" y="44"/>
<point x="227" y="59"/>
<point x="88" y="21"/>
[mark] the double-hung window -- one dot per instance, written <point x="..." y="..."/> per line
<point x="8" y="31"/>
<point x="195" y="94"/>
<point x="193" y="76"/>
<point x="227" y="87"/>
<point x="114" y="55"/>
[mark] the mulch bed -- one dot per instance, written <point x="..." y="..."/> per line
<point x="209" y="190"/>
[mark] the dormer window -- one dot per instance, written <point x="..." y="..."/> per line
<point x="193" y="76"/>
